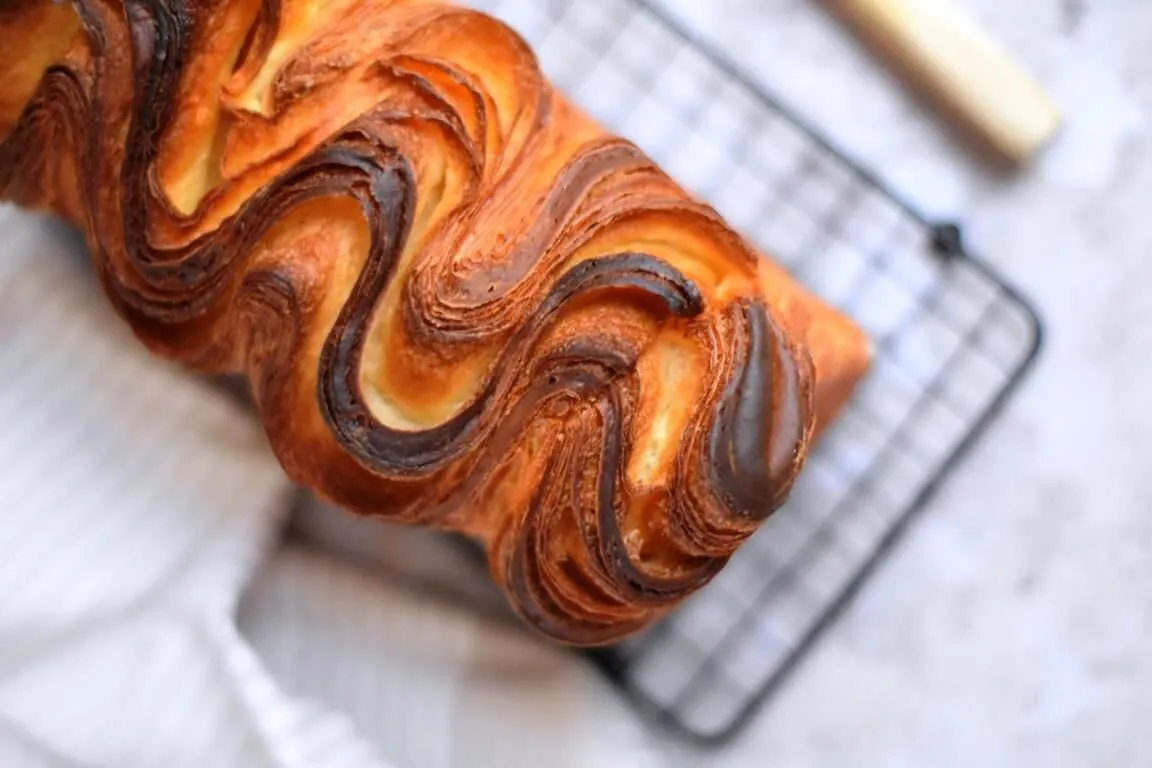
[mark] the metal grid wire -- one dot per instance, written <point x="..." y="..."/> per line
<point x="950" y="341"/>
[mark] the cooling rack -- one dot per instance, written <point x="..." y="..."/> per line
<point x="951" y="342"/>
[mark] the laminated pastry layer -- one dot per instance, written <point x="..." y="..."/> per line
<point x="459" y="302"/>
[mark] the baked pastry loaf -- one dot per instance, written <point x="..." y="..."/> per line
<point x="458" y="301"/>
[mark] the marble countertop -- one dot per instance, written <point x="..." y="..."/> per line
<point x="1010" y="626"/>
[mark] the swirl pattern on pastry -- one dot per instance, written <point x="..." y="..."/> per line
<point x="458" y="301"/>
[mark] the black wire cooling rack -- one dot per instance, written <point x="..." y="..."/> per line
<point x="951" y="342"/>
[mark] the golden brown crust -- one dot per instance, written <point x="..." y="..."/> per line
<point x="458" y="301"/>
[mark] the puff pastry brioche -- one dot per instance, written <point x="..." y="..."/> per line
<point x="458" y="301"/>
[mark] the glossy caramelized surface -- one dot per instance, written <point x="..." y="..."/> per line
<point x="459" y="302"/>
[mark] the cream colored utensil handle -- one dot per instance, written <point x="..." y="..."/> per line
<point x="954" y="63"/>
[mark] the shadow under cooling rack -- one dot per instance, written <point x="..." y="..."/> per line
<point x="951" y="341"/>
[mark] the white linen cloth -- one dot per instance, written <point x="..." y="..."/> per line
<point x="138" y="503"/>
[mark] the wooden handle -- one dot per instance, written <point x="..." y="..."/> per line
<point x="954" y="63"/>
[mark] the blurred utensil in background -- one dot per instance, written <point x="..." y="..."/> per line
<point x="954" y="65"/>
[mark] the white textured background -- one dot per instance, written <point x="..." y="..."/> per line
<point x="1012" y="627"/>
